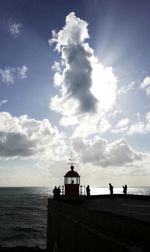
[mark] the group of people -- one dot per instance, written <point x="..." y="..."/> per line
<point x="111" y="188"/>
<point x="56" y="193"/>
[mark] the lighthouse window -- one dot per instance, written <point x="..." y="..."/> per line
<point x="71" y="180"/>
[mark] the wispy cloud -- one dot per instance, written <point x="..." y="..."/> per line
<point x="9" y="74"/>
<point x="145" y="85"/>
<point x="3" y="102"/>
<point x="121" y="126"/>
<point x="14" y="29"/>
<point x="137" y="128"/>
<point x="22" y="72"/>
<point x="130" y="127"/>
<point x="126" y="89"/>
<point x="141" y="126"/>
<point x="123" y="122"/>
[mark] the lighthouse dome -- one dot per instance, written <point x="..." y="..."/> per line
<point x="72" y="173"/>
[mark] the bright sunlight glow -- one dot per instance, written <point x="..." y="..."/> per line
<point x="104" y="86"/>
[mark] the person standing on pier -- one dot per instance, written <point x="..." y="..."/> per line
<point x="55" y="192"/>
<point x="88" y="191"/>
<point x="111" y="189"/>
<point x="125" y="190"/>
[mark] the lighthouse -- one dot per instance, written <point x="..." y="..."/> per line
<point x="72" y="183"/>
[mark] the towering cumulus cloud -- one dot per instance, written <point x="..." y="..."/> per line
<point x="85" y="86"/>
<point x="77" y="68"/>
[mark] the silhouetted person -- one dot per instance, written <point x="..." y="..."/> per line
<point x="88" y="191"/>
<point x="125" y="190"/>
<point x="111" y="189"/>
<point x="55" y="192"/>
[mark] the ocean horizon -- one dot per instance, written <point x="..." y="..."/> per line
<point x="23" y="213"/>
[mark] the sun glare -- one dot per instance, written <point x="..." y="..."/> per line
<point x="104" y="86"/>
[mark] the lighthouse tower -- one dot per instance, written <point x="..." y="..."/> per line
<point x="72" y="183"/>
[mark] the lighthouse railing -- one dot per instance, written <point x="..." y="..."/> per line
<point x="82" y="190"/>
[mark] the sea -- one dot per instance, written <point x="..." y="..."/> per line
<point x="23" y="213"/>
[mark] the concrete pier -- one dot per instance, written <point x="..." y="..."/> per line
<point x="100" y="223"/>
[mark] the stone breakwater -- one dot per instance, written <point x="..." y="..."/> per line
<point x="101" y="223"/>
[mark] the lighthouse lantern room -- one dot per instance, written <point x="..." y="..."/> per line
<point x="72" y="183"/>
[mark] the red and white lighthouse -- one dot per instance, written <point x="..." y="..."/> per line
<point x="72" y="183"/>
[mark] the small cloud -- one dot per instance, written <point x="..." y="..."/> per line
<point x="124" y="122"/>
<point x="22" y="72"/>
<point x="14" y="29"/>
<point x="133" y="128"/>
<point x="3" y="102"/>
<point x="7" y="75"/>
<point x="126" y="89"/>
<point x="137" y="128"/>
<point x="121" y="126"/>
<point x="145" y="85"/>
<point x="141" y="126"/>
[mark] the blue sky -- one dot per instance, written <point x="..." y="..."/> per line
<point x="74" y="78"/>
